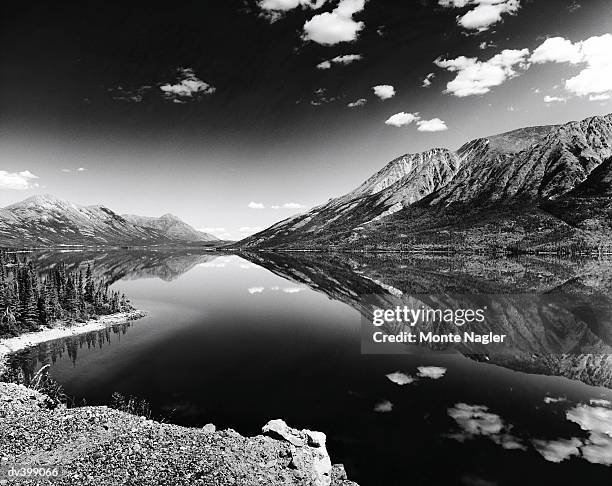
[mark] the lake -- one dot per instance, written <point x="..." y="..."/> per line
<point x="238" y="340"/>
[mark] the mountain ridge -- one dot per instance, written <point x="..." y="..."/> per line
<point x="522" y="179"/>
<point x="46" y="220"/>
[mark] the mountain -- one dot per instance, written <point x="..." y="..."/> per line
<point x="532" y="188"/>
<point x="46" y="220"/>
<point x="171" y="227"/>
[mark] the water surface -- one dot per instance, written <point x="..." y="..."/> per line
<point x="239" y="340"/>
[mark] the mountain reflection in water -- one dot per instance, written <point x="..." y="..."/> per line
<point x="238" y="340"/>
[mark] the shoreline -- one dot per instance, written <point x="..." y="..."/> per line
<point x="12" y="345"/>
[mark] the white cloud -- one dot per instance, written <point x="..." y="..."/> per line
<point x="483" y="13"/>
<point x="292" y="290"/>
<point x="187" y="86"/>
<point x="17" y="181"/>
<point x="554" y="399"/>
<point x="345" y="59"/>
<point x="81" y="169"/>
<point x="383" y="407"/>
<point x="554" y="99"/>
<point x="292" y="205"/>
<point x="433" y="125"/>
<point x="357" y="103"/>
<point x="384" y="91"/>
<point x="402" y="119"/>
<point x="285" y="5"/>
<point x="476" y="77"/>
<point x="427" y="80"/>
<point x="595" y="79"/>
<point x="256" y="290"/>
<point x="256" y="205"/>
<point x="433" y="372"/>
<point x="558" y="450"/>
<point x="400" y="378"/>
<point x="600" y="97"/>
<point x="337" y="26"/>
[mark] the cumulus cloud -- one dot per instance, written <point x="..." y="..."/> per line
<point x="384" y="91"/>
<point x="256" y="205"/>
<point x="293" y="290"/>
<point x="595" y="79"/>
<point x="476" y="420"/>
<point x="383" y="407"/>
<point x="558" y="450"/>
<point x="285" y="5"/>
<point x="400" y="378"/>
<point x="402" y="119"/>
<point x="345" y="59"/>
<point x="427" y="80"/>
<point x="357" y="103"/>
<point x="187" y="86"/>
<point x="256" y="290"/>
<point x="433" y="372"/>
<point x="433" y="125"/>
<point x="17" y="181"/>
<point x="475" y="77"/>
<point x="483" y="13"/>
<point x="337" y="26"/>
<point x="554" y="399"/>
<point x="554" y="99"/>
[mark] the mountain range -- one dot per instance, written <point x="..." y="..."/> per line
<point x="46" y="220"/>
<point x="536" y="188"/>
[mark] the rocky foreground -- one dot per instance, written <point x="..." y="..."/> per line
<point x="99" y="445"/>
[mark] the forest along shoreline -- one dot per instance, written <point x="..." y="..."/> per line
<point x="36" y="308"/>
<point x="12" y="345"/>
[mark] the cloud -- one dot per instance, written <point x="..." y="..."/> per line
<point x="337" y="26"/>
<point x="600" y="402"/>
<point x="187" y="86"/>
<point x="433" y="125"/>
<point x="357" y="103"/>
<point x="250" y="229"/>
<point x="483" y="13"/>
<point x="17" y="181"/>
<point x="554" y="99"/>
<point x="402" y="119"/>
<point x="292" y="205"/>
<point x="400" y="378"/>
<point x="554" y="400"/>
<point x="595" y="79"/>
<point x="345" y="59"/>
<point x="285" y="5"/>
<point x="256" y="290"/>
<point x="78" y="169"/>
<point x="384" y="91"/>
<point x="476" y="420"/>
<point x="558" y="450"/>
<point x="256" y="205"/>
<point x="427" y="80"/>
<point x="476" y="77"/>
<point x="433" y="372"/>
<point x="292" y="290"/>
<point x="383" y="407"/>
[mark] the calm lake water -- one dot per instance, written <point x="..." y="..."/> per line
<point x="239" y="340"/>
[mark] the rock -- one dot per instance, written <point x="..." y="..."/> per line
<point x="315" y="439"/>
<point x="279" y="429"/>
<point x="209" y="429"/>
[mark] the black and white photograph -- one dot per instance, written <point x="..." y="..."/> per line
<point x="306" y="243"/>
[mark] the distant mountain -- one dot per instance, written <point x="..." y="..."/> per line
<point x="171" y="227"/>
<point x="532" y="188"/>
<point x="46" y="220"/>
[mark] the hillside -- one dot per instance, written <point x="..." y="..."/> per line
<point x="530" y="189"/>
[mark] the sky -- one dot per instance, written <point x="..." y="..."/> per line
<point x="235" y="114"/>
